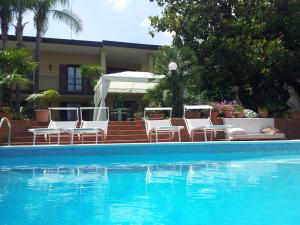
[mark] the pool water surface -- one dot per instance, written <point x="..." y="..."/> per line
<point x="89" y="190"/>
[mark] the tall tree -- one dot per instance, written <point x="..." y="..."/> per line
<point x="5" y="17"/>
<point x="42" y="10"/>
<point x="251" y="44"/>
<point x="172" y="89"/>
<point x="19" y="8"/>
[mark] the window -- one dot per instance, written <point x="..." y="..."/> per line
<point x="74" y="79"/>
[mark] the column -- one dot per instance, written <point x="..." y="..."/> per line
<point x="150" y="62"/>
<point x="103" y="61"/>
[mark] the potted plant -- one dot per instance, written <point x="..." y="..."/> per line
<point x="155" y="114"/>
<point x="263" y="112"/>
<point x="250" y="113"/>
<point x="43" y="100"/>
<point x="216" y="111"/>
<point x="227" y="109"/>
<point x="138" y="115"/>
<point x="5" y="111"/>
<point x="238" y="111"/>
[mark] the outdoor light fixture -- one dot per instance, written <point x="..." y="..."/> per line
<point x="172" y="66"/>
<point x="172" y="69"/>
<point x="50" y="67"/>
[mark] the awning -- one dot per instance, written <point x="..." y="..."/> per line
<point x="124" y="82"/>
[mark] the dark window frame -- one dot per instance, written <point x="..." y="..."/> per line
<point x="75" y="79"/>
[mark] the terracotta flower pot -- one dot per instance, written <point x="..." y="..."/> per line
<point x="42" y="115"/>
<point x="228" y="114"/>
<point x="214" y="115"/>
<point x="239" y="114"/>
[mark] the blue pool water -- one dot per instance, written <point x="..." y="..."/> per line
<point x="180" y="184"/>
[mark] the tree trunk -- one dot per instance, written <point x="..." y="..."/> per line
<point x="4" y="26"/>
<point x="19" y="38"/>
<point x="37" y="59"/>
<point x="19" y="30"/>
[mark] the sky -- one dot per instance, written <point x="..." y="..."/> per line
<point x="113" y="20"/>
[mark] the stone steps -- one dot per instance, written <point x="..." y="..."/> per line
<point x="118" y="132"/>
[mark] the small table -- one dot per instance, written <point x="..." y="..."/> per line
<point x="167" y="129"/>
<point x="119" y="112"/>
<point x="216" y="128"/>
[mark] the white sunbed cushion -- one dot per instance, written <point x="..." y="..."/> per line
<point x="236" y="131"/>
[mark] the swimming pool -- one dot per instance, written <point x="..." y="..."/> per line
<point x="182" y="183"/>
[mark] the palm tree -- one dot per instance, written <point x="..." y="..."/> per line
<point x="19" y="8"/>
<point x="5" y="17"/>
<point x="13" y="65"/>
<point x="42" y="10"/>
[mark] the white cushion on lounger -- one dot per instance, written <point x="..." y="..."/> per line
<point x="236" y="131"/>
<point x="253" y="127"/>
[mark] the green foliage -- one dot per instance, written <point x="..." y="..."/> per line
<point x="5" y="110"/>
<point x="14" y="66"/>
<point x="44" y="8"/>
<point x="253" y="44"/>
<point x="175" y="84"/>
<point x="93" y="72"/>
<point x="16" y="60"/>
<point x="43" y="99"/>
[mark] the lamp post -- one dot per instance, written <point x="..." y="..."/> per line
<point x="172" y="69"/>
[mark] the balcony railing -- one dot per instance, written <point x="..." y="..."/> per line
<point x="49" y="82"/>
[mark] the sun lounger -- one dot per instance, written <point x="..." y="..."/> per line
<point x="55" y="127"/>
<point x="161" y="126"/>
<point x="91" y="127"/>
<point x="202" y="125"/>
<point x="251" y="129"/>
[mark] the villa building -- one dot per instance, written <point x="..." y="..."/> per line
<point x="61" y="59"/>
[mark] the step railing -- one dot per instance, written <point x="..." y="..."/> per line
<point x="4" y="119"/>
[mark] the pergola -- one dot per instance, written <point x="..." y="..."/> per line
<point x="124" y="82"/>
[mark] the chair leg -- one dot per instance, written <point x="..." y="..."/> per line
<point x="205" y="136"/>
<point x="34" y="138"/>
<point x="72" y="138"/>
<point x="58" y="138"/>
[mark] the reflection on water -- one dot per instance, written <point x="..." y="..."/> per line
<point x="147" y="193"/>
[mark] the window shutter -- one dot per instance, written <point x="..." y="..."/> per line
<point x="63" y="77"/>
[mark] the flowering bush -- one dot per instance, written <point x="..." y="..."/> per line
<point x="250" y="113"/>
<point x="224" y="106"/>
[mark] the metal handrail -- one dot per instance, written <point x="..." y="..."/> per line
<point x="9" y="128"/>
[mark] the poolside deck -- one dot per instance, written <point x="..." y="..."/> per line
<point x="124" y="132"/>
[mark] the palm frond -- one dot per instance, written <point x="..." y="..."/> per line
<point x="10" y="80"/>
<point x="69" y="18"/>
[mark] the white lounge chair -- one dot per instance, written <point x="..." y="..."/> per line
<point x="251" y="129"/>
<point x="158" y="126"/>
<point x="202" y="125"/>
<point x="55" y="127"/>
<point x="91" y="127"/>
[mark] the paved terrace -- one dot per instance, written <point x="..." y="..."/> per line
<point x="124" y="132"/>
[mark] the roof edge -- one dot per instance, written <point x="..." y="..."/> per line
<point x="99" y="44"/>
